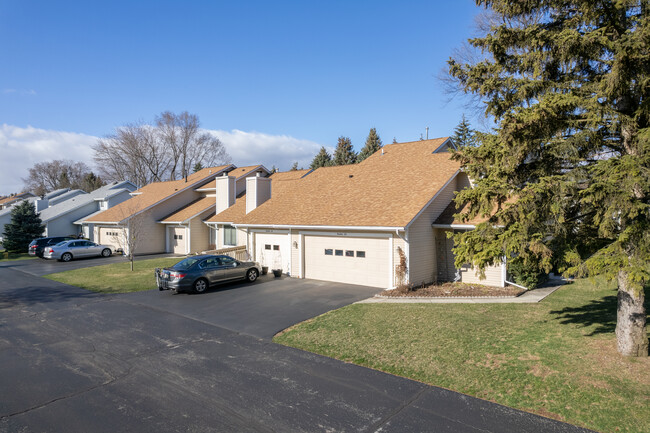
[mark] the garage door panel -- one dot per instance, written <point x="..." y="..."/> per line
<point x="278" y="253"/>
<point x="110" y="236"/>
<point x="371" y="270"/>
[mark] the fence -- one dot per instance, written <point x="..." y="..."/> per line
<point x="237" y="253"/>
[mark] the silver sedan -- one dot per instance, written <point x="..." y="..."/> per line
<point x="67" y="250"/>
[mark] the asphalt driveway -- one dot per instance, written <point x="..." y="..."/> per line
<point x="76" y="361"/>
<point x="261" y="309"/>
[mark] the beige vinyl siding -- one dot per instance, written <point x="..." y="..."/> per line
<point x="150" y="236"/>
<point x="493" y="276"/>
<point x="422" y="254"/>
<point x="463" y="181"/>
<point x="241" y="237"/>
<point x="295" y="254"/>
<point x="199" y="234"/>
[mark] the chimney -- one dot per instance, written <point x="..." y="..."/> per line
<point x="258" y="190"/>
<point x="225" y="189"/>
<point x="40" y="204"/>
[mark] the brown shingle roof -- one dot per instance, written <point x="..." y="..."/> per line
<point x="237" y="212"/>
<point x="243" y="171"/>
<point x="153" y="193"/>
<point x="195" y="208"/>
<point x="385" y="190"/>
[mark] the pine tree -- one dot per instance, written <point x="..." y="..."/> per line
<point x="322" y="159"/>
<point x="373" y="144"/>
<point x="344" y="154"/>
<point x="274" y="169"/>
<point x="464" y="135"/>
<point x="25" y="226"/>
<point x="568" y="85"/>
<point x="197" y="167"/>
<point x="294" y="167"/>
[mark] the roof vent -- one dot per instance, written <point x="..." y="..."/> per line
<point x="350" y="176"/>
<point x="382" y="150"/>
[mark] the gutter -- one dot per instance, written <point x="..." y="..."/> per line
<point x="321" y="227"/>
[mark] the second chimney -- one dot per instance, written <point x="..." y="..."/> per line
<point x="258" y="190"/>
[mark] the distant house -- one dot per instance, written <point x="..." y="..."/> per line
<point x="6" y="202"/>
<point x="65" y="212"/>
<point x="169" y="215"/>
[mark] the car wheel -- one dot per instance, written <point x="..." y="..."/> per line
<point x="251" y="275"/>
<point x="200" y="285"/>
<point x="106" y="252"/>
<point x="66" y="257"/>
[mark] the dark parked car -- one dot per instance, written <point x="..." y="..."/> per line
<point x="67" y="250"/>
<point x="36" y="246"/>
<point x="198" y="273"/>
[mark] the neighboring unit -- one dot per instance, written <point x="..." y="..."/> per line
<point x="168" y="216"/>
<point x="65" y="213"/>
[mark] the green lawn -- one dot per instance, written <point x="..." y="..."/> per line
<point x="557" y="358"/>
<point x="7" y="257"/>
<point x="116" y="277"/>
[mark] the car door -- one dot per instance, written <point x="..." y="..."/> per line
<point x="92" y="248"/>
<point x="76" y="248"/>
<point x="232" y="268"/>
<point x="212" y="270"/>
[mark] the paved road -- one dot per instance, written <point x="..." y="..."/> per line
<point x="77" y="362"/>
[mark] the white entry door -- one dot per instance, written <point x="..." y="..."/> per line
<point x="273" y="250"/>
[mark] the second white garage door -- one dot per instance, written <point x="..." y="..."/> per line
<point x="354" y="260"/>
<point x="112" y="236"/>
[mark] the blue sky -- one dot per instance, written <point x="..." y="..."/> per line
<point x="300" y="71"/>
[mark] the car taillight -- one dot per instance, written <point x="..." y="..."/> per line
<point x="50" y="250"/>
<point x="32" y="247"/>
<point x="177" y="275"/>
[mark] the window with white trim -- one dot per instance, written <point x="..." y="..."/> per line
<point x="229" y="235"/>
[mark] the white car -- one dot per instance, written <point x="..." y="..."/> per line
<point x="68" y="250"/>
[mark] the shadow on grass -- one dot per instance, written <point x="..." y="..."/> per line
<point x="600" y="313"/>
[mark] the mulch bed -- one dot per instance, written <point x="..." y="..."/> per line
<point x="448" y="290"/>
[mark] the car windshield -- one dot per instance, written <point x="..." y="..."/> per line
<point x="185" y="263"/>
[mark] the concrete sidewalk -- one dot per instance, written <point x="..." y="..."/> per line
<point x="530" y="297"/>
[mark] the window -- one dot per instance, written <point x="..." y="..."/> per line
<point x="267" y="247"/>
<point x="338" y="252"/>
<point x="276" y="247"/>
<point x="229" y="235"/>
<point x="349" y="253"/>
<point x="226" y="261"/>
<point x="361" y="254"/>
<point x="329" y="251"/>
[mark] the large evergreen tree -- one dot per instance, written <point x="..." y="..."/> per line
<point x="373" y="144"/>
<point x="322" y="159"/>
<point x="567" y="167"/>
<point x="344" y="154"/>
<point x="464" y="135"/>
<point x="25" y="226"/>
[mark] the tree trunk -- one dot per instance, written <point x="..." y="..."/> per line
<point x="631" y="336"/>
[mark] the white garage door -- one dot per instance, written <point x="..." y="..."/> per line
<point x="110" y="236"/>
<point x="177" y="240"/>
<point x="272" y="250"/>
<point x="354" y="260"/>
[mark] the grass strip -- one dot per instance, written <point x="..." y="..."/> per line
<point x="116" y="277"/>
<point x="557" y="358"/>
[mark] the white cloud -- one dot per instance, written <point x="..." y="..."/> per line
<point x="21" y="148"/>
<point x="249" y="148"/>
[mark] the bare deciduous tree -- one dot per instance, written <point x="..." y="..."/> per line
<point x="165" y="151"/>
<point x="48" y="176"/>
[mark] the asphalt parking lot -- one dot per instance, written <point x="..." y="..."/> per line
<point x="154" y="361"/>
